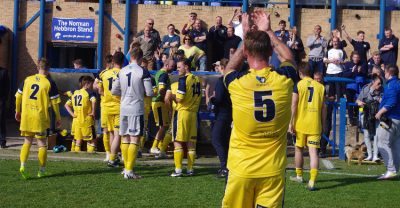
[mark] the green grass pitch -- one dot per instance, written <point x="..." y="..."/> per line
<point x="92" y="184"/>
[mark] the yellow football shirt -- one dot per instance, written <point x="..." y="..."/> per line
<point x="309" y="108"/>
<point x="174" y="88"/>
<point x="261" y="101"/>
<point x="38" y="93"/>
<point x="101" y="85"/>
<point x="189" y="91"/>
<point x="111" y="103"/>
<point x="81" y="101"/>
<point x="192" y="52"/>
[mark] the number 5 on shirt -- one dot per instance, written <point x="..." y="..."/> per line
<point x="264" y="106"/>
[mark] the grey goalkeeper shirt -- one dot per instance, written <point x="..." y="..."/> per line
<point x="317" y="46"/>
<point x="132" y="84"/>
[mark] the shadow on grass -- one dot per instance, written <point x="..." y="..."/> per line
<point x="146" y="171"/>
<point x="341" y="182"/>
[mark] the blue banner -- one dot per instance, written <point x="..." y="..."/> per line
<point x="65" y="29"/>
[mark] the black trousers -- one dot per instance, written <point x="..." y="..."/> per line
<point x="3" y="122"/>
<point x="327" y="129"/>
<point x="352" y="110"/>
<point x="220" y="136"/>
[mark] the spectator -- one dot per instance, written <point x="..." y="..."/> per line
<point x="221" y="130"/>
<point x="199" y="36"/>
<point x="189" y="26"/>
<point x="153" y="32"/>
<point x="388" y="132"/>
<point x="217" y="36"/>
<point x="179" y="55"/>
<point x="171" y="42"/>
<point x="342" y="43"/>
<point x="160" y="59"/>
<point x="232" y="42"/>
<point x="369" y="99"/>
<point x="78" y="64"/>
<point x="357" y="71"/>
<point x="296" y="45"/>
<point x="237" y="25"/>
<point x="375" y="60"/>
<point x="334" y="69"/>
<point x="359" y="45"/>
<point x="282" y="35"/>
<point x="389" y="46"/>
<point x="4" y="92"/>
<point x="193" y="53"/>
<point x="378" y="71"/>
<point x="149" y="45"/>
<point x="317" y="45"/>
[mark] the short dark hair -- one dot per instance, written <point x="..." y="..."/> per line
<point x="170" y="25"/>
<point x="258" y="44"/>
<point x="360" y="32"/>
<point x="118" y="58"/>
<point x="78" y="62"/>
<point x="282" y="22"/>
<point x="392" y="69"/>
<point x="375" y="77"/>
<point x="304" y="69"/>
<point x="86" y="80"/>
<point x="109" y="59"/>
<point x="193" y="13"/>
<point x="388" y="29"/>
<point x="354" y="53"/>
<point x="186" y="62"/>
<point x="136" y="53"/>
<point x="43" y="64"/>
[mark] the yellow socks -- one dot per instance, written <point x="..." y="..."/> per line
<point x="142" y="142"/>
<point x="164" y="145"/>
<point x="299" y="172"/>
<point x="42" y="156"/>
<point x="313" y="174"/>
<point x="25" y="153"/>
<point x="90" y="147"/>
<point x="178" y="157"/>
<point x="124" y="152"/>
<point x="77" y="148"/>
<point x="191" y="157"/>
<point x="73" y="146"/>
<point x="112" y="157"/>
<point x="106" y="142"/>
<point x="155" y="143"/>
<point x="131" y="156"/>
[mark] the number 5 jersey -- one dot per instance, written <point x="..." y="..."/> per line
<point x="261" y="101"/>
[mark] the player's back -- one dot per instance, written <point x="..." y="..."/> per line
<point x="37" y="91"/>
<point x="261" y="101"/>
<point x="189" y="87"/>
<point x="133" y="90"/>
<point x="309" y="108"/>
<point x="110" y="102"/>
<point x="82" y="104"/>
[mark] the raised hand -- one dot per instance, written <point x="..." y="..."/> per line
<point x="262" y="20"/>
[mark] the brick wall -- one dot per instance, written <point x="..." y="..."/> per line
<point x="178" y="15"/>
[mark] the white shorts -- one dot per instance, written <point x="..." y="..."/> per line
<point x="131" y="125"/>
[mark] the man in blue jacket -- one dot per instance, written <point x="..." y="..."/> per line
<point x="388" y="132"/>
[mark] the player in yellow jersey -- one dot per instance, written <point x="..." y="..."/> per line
<point x="83" y="103"/>
<point x="103" y="117"/>
<point x="160" y="111"/>
<point x="261" y="99"/>
<point x="308" y="117"/>
<point x="187" y="97"/>
<point x="111" y="106"/>
<point x="33" y="99"/>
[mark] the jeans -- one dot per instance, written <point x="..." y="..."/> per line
<point x="316" y="66"/>
<point x="220" y="137"/>
<point x="203" y="63"/>
<point x="389" y="145"/>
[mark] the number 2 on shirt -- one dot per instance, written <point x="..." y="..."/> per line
<point x="267" y="113"/>
<point x="35" y="88"/>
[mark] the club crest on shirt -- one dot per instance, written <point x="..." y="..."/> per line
<point x="261" y="79"/>
<point x="37" y="79"/>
